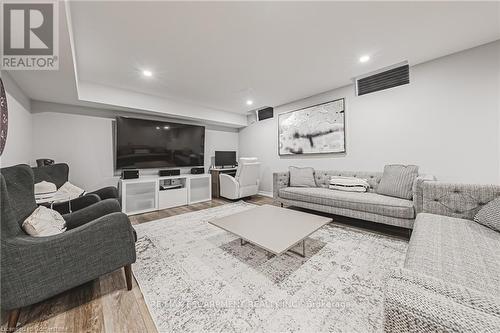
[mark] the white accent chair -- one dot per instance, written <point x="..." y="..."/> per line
<point x="246" y="181"/>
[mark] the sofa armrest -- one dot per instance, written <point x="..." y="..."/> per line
<point x="76" y="204"/>
<point x="35" y="268"/>
<point x="280" y="180"/>
<point x="93" y="212"/>
<point x="457" y="200"/>
<point x="419" y="303"/>
<point x="110" y="192"/>
<point x="418" y="191"/>
<point x="229" y="187"/>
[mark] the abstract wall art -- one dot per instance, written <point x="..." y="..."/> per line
<point x="317" y="129"/>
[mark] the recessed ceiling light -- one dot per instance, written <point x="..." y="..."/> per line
<point x="147" y="73"/>
<point x="364" y="58"/>
<point x="166" y="127"/>
<point x="157" y="127"/>
<point x="249" y="102"/>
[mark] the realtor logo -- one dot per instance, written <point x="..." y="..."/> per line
<point x="30" y="35"/>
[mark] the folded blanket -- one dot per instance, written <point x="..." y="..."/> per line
<point x="350" y="184"/>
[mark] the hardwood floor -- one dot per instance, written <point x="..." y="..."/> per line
<point x="105" y="305"/>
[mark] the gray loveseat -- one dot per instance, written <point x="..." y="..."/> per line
<point x="451" y="277"/>
<point x="369" y="206"/>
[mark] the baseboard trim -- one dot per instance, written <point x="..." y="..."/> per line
<point x="265" y="194"/>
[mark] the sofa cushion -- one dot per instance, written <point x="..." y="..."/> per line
<point x="397" y="181"/>
<point x="302" y="177"/>
<point x="456" y="250"/>
<point x="369" y="202"/>
<point x="489" y="215"/>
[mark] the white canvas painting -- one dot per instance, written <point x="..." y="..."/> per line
<point x="318" y="129"/>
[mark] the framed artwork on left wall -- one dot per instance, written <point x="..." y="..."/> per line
<point x="317" y="129"/>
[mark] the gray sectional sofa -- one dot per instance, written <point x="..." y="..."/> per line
<point x="369" y="206"/>
<point x="451" y="277"/>
<point x="450" y="281"/>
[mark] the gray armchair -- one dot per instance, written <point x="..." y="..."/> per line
<point x="58" y="174"/>
<point x="99" y="239"/>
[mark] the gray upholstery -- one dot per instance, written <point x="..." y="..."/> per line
<point x="368" y="206"/>
<point x="456" y="250"/>
<point x="457" y="200"/>
<point x="415" y="302"/>
<point x="451" y="280"/>
<point x="19" y="180"/>
<point x="58" y="174"/>
<point x="365" y="202"/>
<point x="99" y="240"/>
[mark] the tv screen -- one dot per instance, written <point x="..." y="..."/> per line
<point x="225" y="158"/>
<point x="144" y="144"/>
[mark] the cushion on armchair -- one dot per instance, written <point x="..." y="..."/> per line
<point x="70" y="191"/>
<point x="44" y="222"/>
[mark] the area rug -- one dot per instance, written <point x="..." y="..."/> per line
<point x="196" y="277"/>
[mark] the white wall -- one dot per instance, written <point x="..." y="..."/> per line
<point x="86" y="144"/>
<point x="446" y="121"/>
<point x="18" y="148"/>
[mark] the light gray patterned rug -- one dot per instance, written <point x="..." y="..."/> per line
<point x="197" y="278"/>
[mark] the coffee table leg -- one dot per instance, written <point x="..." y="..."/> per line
<point x="303" y="254"/>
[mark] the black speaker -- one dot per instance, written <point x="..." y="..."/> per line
<point x="265" y="113"/>
<point x="130" y="174"/>
<point x="169" y="172"/>
<point x="197" y="171"/>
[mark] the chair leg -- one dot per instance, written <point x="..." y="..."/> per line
<point x="12" y="319"/>
<point x="128" y="276"/>
<point x="281" y="205"/>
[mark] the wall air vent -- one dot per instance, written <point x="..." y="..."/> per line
<point x="390" y="77"/>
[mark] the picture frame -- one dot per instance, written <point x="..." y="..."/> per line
<point x="316" y="129"/>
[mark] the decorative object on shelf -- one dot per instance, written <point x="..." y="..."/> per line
<point x="317" y="129"/>
<point x="4" y="117"/>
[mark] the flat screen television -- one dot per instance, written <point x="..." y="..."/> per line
<point x="225" y="158"/>
<point x="142" y="144"/>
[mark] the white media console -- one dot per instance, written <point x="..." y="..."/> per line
<point x="150" y="193"/>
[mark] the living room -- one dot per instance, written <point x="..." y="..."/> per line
<point x="250" y="166"/>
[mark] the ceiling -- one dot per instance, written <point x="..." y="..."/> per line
<point x="217" y="55"/>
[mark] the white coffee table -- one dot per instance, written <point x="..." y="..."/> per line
<point x="272" y="228"/>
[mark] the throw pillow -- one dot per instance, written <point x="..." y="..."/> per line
<point x="397" y="181"/>
<point x="349" y="184"/>
<point x="70" y="191"/>
<point x="489" y="215"/>
<point x="302" y="177"/>
<point x="44" y="222"/>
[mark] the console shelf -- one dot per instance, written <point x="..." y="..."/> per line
<point x="151" y="193"/>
